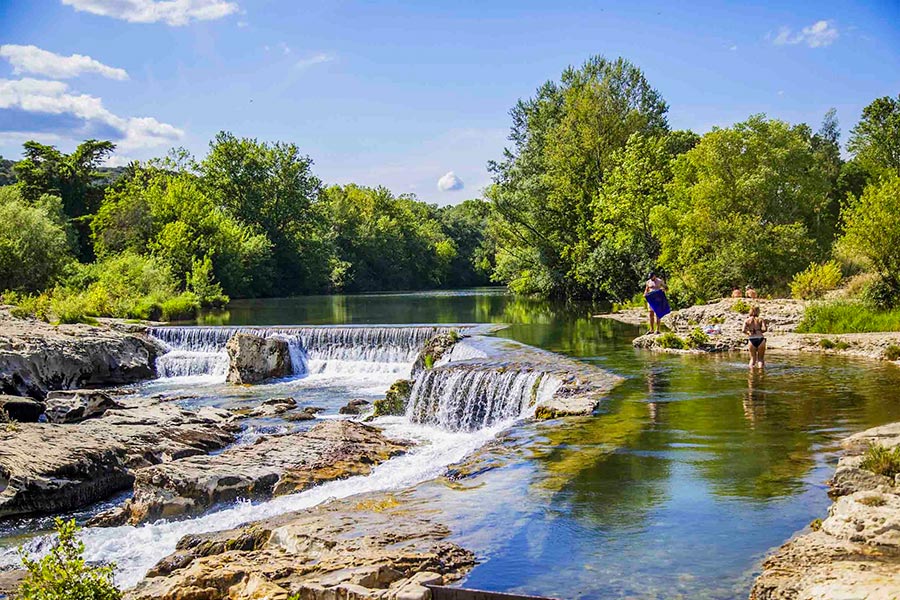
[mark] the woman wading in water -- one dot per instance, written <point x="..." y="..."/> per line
<point x="755" y="327"/>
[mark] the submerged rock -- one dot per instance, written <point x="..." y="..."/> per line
<point x="72" y="406"/>
<point x="36" y="357"/>
<point x="49" y="467"/>
<point x="359" y="547"/>
<point x="354" y="407"/>
<point x="21" y="409"/>
<point x="254" y="358"/>
<point x="273" y="466"/>
<point x="855" y="552"/>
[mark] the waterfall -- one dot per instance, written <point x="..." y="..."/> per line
<point x="472" y="397"/>
<point x="201" y="350"/>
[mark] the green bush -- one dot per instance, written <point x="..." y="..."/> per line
<point x="817" y="279"/>
<point x="696" y="338"/>
<point x="202" y="283"/>
<point x="881" y="460"/>
<point x="847" y="317"/>
<point x="826" y="344"/>
<point x="741" y="306"/>
<point x="716" y="320"/>
<point x="183" y="307"/>
<point x="63" y="574"/>
<point x="670" y="340"/>
<point x="841" y="345"/>
<point x="892" y="353"/>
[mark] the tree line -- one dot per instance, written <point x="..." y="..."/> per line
<point x="594" y="191"/>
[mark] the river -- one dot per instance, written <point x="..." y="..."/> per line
<point x="690" y="472"/>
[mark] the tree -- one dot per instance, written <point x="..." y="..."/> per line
<point x="466" y="224"/>
<point x="7" y="176"/>
<point x="271" y="187"/>
<point x="744" y="207"/>
<point x="872" y="230"/>
<point x="875" y="140"/>
<point x="564" y="144"/>
<point x="33" y="244"/>
<point x="73" y="177"/>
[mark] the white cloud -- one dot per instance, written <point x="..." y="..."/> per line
<point x="52" y="98"/>
<point x="171" y="12"/>
<point x="818" y="35"/>
<point x="315" y="59"/>
<point x="450" y="182"/>
<point x="31" y="59"/>
<point x="285" y="49"/>
<point x="733" y="48"/>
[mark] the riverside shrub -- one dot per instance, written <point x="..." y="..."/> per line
<point x="812" y="283"/>
<point x="63" y="573"/>
<point x="847" y="317"/>
<point x="671" y="341"/>
<point x="881" y="460"/>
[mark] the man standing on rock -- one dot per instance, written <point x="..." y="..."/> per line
<point x="657" y="303"/>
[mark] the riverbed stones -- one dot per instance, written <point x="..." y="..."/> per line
<point x="20" y="408"/>
<point x="36" y="357"/>
<point x="51" y="467"/>
<point x="273" y="407"/>
<point x="364" y="547"/>
<point x="254" y="358"/>
<point x="272" y="466"/>
<point x="72" y="406"/>
<point x="855" y="551"/>
<point x="354" y="407"/>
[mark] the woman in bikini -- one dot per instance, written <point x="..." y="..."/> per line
<point x="755" y="327"/>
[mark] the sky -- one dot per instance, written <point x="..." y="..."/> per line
<point x="413" y="95"/>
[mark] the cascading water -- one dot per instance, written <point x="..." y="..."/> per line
<point x="201" y="350"/>
<point x="475" y="397"/>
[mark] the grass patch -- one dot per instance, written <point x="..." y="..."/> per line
<point x="848" y="317"/>
<point x="671" y="341"/>
<point x="717" y="320"/>
<point x="7" y="423"/>
<point x="696" y="338"/>
<point x="881" y="460"/>
<point x="741" y="306"/>
<point x="875" y="500"/>
<point x="815" y="524"/>
<point x="892" y="352"/>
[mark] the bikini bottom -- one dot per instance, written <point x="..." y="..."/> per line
<point x="757" y="341"/>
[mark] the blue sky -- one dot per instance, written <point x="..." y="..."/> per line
<point x="403" y="93"/>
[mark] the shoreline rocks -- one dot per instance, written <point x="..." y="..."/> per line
<point x="364" y="547"/>
<point x="254" y="358"/>
<point x="20" y="408"/>
<point x="855" y="551"/>
<point x="272" y="466"/>
<point x="49" y="467"/>
<point x="37" y="357"/>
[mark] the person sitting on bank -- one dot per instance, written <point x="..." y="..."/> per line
<point x="751" y="293"/>
<point x="654" y="283"/>
<point x="737" y="293"/>
<point x="755" y="328"/>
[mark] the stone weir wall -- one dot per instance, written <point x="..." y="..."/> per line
<point x="36" y="357"/>
<point x="855" y="551"/>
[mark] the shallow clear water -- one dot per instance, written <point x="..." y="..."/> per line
<point x="692" y="470"/>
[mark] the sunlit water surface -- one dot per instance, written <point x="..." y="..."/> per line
<point x="690" y="472"/>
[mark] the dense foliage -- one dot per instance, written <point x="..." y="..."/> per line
<point x="594" y="192"/>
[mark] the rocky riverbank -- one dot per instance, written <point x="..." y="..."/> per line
<point x="37" y="357"/>
<point x="365" y="547"/>
<point x="855" y="551"/>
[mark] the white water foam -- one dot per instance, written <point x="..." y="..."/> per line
<point x="136" y="549"/>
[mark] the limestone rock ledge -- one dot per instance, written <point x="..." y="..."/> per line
<point x="855" y="553"/>
<point x="363" y="547"/>
<point x="49" y="467"/>
<point x="272" y="466"/>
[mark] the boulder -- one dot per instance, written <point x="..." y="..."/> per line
<point x="254" y="358"/>
<point x="21" y="409"/>
<point x="72" y="406"/>
<point x="354" y="407"/>
<point x="36" y="357"/>
<point x="305" y="414"/>
<point x="359" y="547"/>
<point x="50" y="467"/>
<point x="434" y="350"/>
<point x="395" y="399"/>
<point x="272" y="466"/>
<point x="273" y="407"/>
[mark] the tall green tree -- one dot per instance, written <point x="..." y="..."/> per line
<point x="744" y="207"/>
<point x="875" y="140"/>
<point x="272" y="187"/>
<point x="467" y="225"/>
<point x="73" y="177"/>
<point x="564" y="143"/>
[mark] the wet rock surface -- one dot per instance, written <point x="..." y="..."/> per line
<point x="254" y="358"/>
<point x="36" y="357"/>
<point x="272" y="466"/>
<point x="855" y="553"/>
<point x="434" y="350"/>
<point x="395" y="399"/>
<point x="366" y="547"/>
<point x="49" y="467"/>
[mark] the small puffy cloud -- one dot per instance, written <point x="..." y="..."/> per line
<point x="315" y="59"/>
<point x="450" y="182"/>
<point x="818" y="35"/>
<point x="49" y="107"/>
<point x="31" y="59"/>
<point x="732" y="48"/>
<point x="170" y="12"/>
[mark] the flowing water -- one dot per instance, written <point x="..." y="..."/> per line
<point x="690" y="472"/>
